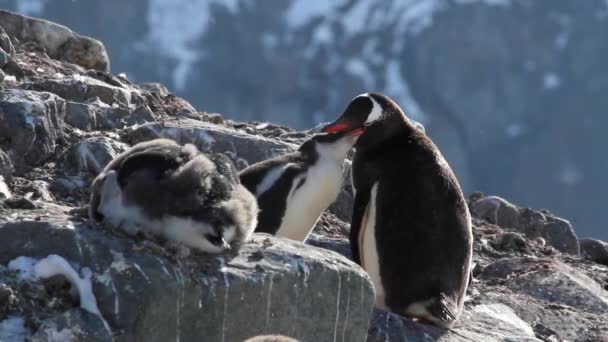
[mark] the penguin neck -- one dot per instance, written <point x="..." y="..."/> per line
<point x="387" y="129"/>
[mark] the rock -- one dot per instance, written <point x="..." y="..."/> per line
<point x="4" y="59"/>
<point x="6" y="165"/>
<point x="274" y="285"/>
<point x="595" y="250"/>
<point x="484" y="322"/>
<point x="2" y="75"/>
<point x="558" y="232"/>
<point x="91" y="155"/>
<point x="510" y="241"/>
<point x="242" y="148"/>
<point x="271" y="338"/>
<point x="338" y="245"/>
<point x="97" y="115"/>
<point x="81" y="88"/>
<point x="155" y="87"/>
<point x="214" y="118"/>
<point x="59" y="41"/>
<point x="72" y="326"/>
<point x="30" y="124"/>
<point x="5" y="44"/>
<point x="550" y="281"/>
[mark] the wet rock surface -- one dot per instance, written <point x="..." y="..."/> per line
<point x="60" y="123"/>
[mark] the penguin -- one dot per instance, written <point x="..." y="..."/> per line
<point x="410" y="228"/>
<point x="164" y="189"/>
<point x="293" y="190"/>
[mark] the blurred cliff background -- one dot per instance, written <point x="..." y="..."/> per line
<point x="514" y="92"/>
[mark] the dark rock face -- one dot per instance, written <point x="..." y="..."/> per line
<point x="60" y="123"/>
<point x="31" y="124"/>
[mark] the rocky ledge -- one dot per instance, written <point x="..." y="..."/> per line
<point x="63" y="117"/>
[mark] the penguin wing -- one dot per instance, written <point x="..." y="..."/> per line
<point x="155" y="164"/>
<point x="359" y="211"/>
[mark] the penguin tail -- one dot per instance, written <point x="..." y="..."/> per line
<point x="443" y="309"/>
<point x="440" y="311"/>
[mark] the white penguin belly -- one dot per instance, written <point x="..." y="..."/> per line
<point x="305" y="205"/>
<point x="368" y="251"/>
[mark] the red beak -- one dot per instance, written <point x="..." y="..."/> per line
<point x="355" y="132"/>
<point x="336" y="128"/>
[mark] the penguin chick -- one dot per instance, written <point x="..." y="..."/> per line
<point x="293" y="190"/>
<point x="176" y="192"/>
<point x="411" y="228"/>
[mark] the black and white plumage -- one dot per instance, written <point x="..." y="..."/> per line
<point x="293" y="190"/>
<point x="163" y="189"/>
<point x="411" y="228"/>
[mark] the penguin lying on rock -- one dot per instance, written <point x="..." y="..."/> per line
<point x="176" y="192"/>
<point x="293" y="190"/>
<point x="410" y="229"/>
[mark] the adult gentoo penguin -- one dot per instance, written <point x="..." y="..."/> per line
<point x="176" y="192"/>
<point x="410" y="229"/>
<point x="293" y="190"/>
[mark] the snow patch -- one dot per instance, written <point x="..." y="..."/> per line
<point x="175" y="26"/>
<point x="13" y="329"/>
<point x="4" y="190"/>
<point x="31" y="7"/>
<point x="397" y="88"/>
<point x="487" y="2"/>
<point x="57" y="265"/>
<point x="551" y="81"/>
<point x="358" y="68"/>
<point x="301" y="12"/>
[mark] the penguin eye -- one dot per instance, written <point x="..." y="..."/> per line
<point x="214" y="239"/>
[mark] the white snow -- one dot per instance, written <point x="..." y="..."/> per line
<point x="487" y="2"/>
<point x="175" y="27"/>
<point x="4" y="190"/>
<point x="13" y="329"/>
<point x="357" y="67"/>
<point x="355" y="20"/>
<point x="551" y="81"/>
<point x="514" y="130"/>
<point x="397" y="88"/>
<point x="301" y="12"/>
<point x="31" y="7"/>
<point x="57" y="265"/>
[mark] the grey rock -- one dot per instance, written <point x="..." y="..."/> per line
<point x="155" y="87"/>
<point x="81" y="88"/>
<point x="4" y="59"/>
<point x="274" y="285"/>
<point x="338" y="245"/>
<point x="6" y="44"/>
<point x="482" y="322"/>
<point x="92" y="154"/>
<point x="81" y="115"/>
<point x="242" y="148"/>
<point x="595" y="250"/>
<point x="97" y="115"/>
<point x="550" y="281"/>
<point x="558" y="232"/>
<point x="2" y="75"/>
<point x="73" y="325"/>
<point x="59" y="41"/>
<point x="6" y="165"/>
<point x="30" y="124"/>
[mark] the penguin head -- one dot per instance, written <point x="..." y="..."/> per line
<point x="331" y="145"/>
<point x="371" y="113"/>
